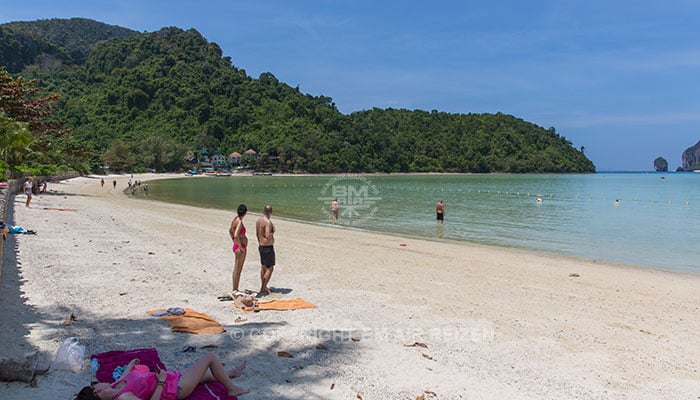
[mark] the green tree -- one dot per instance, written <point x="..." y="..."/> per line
<point x="15" y="141"/>
<point x="162" y="153"/>
<point x="120" y="157"/>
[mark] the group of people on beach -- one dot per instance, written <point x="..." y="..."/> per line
<point x="139" y="382"/>
<point x="132" y="186"/>
<point x="265" y="232"/>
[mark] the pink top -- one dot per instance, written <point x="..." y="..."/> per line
<point x="143" y="384"/>
<point x="235" y="245"/>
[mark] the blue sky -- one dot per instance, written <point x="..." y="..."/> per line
<point x="621" y="78"/>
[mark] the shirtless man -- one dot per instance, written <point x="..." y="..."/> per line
<point x="440" y="211"/>
<point x="334" y="210"/>
<point x="265" y="231"/>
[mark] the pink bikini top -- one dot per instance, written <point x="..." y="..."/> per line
<point x="142" y="384"/>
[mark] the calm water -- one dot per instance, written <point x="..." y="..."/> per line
<point x="655" y="223"/>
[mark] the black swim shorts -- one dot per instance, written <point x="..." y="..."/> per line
<point x="440" y="216"/>
<point x="267" y="256"/>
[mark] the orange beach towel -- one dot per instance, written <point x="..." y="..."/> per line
<point x="281" y="305"/>
<point x="191" y="322"/>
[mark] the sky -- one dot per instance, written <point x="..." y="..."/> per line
<point x="618" y="77"/>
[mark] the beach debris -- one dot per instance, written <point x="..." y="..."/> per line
<point x="359" y="396"/>
<point x="150" y="253"/>
<point x="245" y="302"/>
<point x="285" y="354"/>
<point x="209" y="346"/>
<point x="321" y="346"/>
<point x="70" y="320"/>
<point x="25" y="370"/>
<point x="426" y="356"/>
<point x="574" y="275"/>
<point x="296" y="367"/>
<point x="238" y="320"/>
<point x="123" y="293"/>
<point x="355" y="338"/>
<point x="430" y="393"/>
<point x="403" y="244"/>
<point x="332" y="386"/>
<point x="416" y="344"/>
<point x="187" y="349"/>
<point x="225" y="298"/>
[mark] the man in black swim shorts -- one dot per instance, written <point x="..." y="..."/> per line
<point x="440" y="211"/>
<point x="265" y="230"/>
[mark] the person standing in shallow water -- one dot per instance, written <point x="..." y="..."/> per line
<point x="440" y="212"/>
<point x="240" y="245"/>
<point x="335" y="208"/>
<point x="265" y="231"/>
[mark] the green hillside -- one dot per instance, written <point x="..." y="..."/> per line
<point x="142" y="100"/>
<point x="51" y="43"/>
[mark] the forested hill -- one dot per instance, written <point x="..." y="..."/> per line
<point x="51" y="43"/>
<point x="140" y="100"/>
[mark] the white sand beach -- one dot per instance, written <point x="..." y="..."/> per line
<point x="497" y="323"/>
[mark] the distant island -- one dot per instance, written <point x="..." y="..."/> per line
<point x="660" y="164"/>
<point x="134" y="101"/>
<point x="691" y="158"/>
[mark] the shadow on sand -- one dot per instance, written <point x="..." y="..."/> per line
<point x="315" y="357"/>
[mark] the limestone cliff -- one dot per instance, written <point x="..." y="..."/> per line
<point x="691" y="158"/>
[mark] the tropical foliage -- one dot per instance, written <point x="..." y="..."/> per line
<point x="28" y="131"/>
<point x="142" y="100"/>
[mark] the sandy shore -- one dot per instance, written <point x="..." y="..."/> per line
<point x="497" y="323"/>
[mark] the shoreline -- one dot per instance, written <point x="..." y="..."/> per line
<point x="497" y="323"/>
<point x="457" y="241"/>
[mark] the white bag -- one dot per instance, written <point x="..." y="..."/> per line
<point x="70" y="355"/>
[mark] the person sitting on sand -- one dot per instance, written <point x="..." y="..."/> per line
<point x="138" y="383"/>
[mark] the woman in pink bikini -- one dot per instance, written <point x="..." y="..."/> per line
<point x="240" y="245"/>
<point x="139" y="383"/>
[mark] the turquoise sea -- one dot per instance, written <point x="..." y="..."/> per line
<point x="655" y="224"/>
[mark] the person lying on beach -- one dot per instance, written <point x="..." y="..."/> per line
<point x="138" y="383"/>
